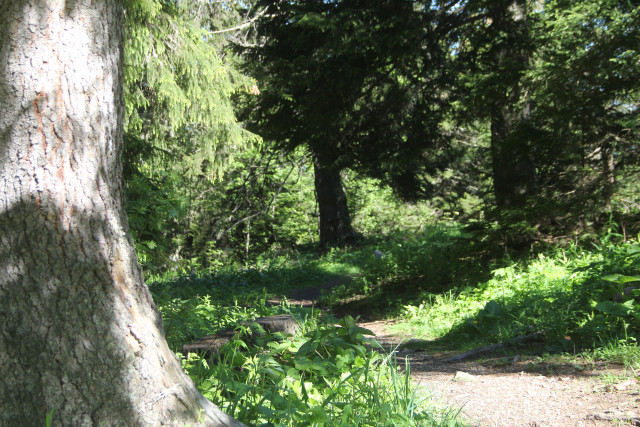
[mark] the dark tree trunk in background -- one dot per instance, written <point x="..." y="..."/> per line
<point x="79" y="332"/>
<point x="514" y="173"/>
<point x="608" y="175"/>
<point x="335" y="221"/>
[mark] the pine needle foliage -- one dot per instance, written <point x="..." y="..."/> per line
<point x="178" y="89"/>
<point x="181" y="131"/>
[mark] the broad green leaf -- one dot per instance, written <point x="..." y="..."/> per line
<point x="616" y="308"/>
<point x="319" y="416"/>
<point x="619" y="278"/>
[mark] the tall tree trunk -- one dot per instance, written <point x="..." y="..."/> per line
<point x="80" y="334"/>
<point x="335" y="221"/>
<point x="608" y="175"/>
<point x="514" y="174"/>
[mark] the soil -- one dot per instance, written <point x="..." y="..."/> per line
<point x="518" y="390"/>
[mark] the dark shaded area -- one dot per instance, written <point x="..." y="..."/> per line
<point x="457" y="266"/>
<point x="335" y="220"/>
<point x="511" y="360"/>
<point x="57" y="344"/>
<point x="310" y="296"/>
<point x="210" y="345"/>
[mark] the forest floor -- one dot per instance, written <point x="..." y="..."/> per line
<point x="518" y="390"/>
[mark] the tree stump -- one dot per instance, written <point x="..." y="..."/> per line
<point x="210" y="345"/>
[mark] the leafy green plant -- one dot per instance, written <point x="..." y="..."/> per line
<point x="48" y="422"/>
<point x="582" y="301"/>
<point x="329" y="375"/>
<point x="578" y="298"/>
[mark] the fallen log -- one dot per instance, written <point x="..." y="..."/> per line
<point x="522" y="339"/>
<point x="284" y="323"/>
<point x="211" y="344"/>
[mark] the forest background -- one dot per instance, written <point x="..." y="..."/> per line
<point x="519" y="118"/>
<point x="468" y="166"/>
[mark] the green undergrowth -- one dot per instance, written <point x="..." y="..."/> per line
<point x="581" y="300"/>
<point x="394" y="271"/>
<point x="328" y="374"/>
<point x="442" y="285"/>
<point x="276" y="273"/>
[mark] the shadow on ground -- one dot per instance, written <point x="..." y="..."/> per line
<point x="431" y="356"/>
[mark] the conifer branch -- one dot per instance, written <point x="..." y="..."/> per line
<point x="243" y="25"/>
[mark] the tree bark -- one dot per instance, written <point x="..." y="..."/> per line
<point x="514" y="173"/>
<point x="335" y="221"/>
<point x="608" y="175"/>
<point x="80" y="334"/>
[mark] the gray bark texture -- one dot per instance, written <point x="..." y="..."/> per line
<point x="79" y="333"/>
<point x="335" y="220"/>
<point x="514" y="172"/>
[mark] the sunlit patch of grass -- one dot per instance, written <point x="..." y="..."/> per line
<point x="328" y="375"/>
<point x="565" y="294"/>
<point x="584" y="303"/>
<point x="627" y="355"/>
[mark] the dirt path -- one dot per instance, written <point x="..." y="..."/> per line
<point x="515" y="392"/>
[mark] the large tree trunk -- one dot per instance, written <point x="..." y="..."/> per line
<point x="335" y="221"/>
<point x="608" y="175"/>
<point x="79" y="333"/>
<point x="514" y="173"/>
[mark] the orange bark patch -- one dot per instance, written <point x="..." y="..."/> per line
<point x="40" y="96"/>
